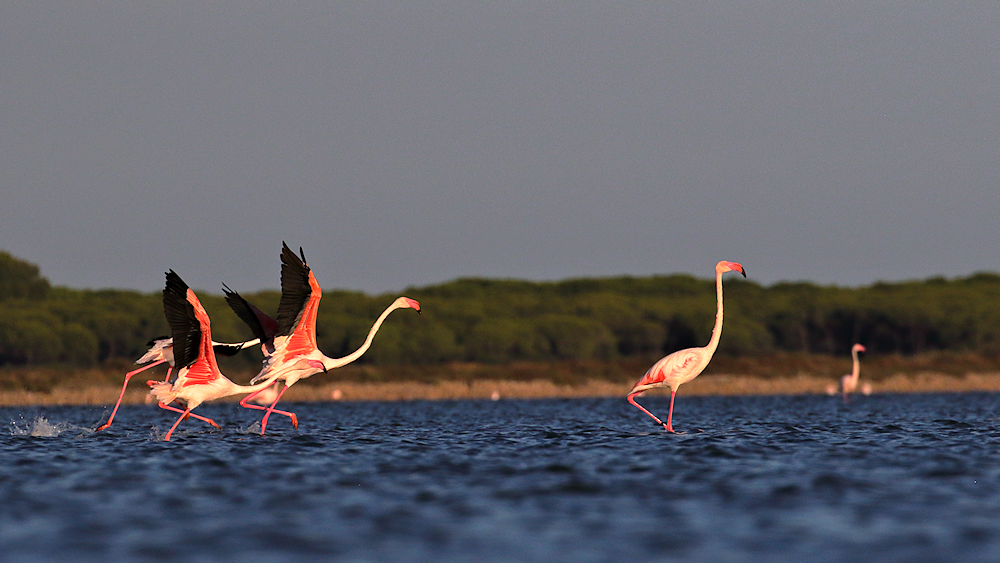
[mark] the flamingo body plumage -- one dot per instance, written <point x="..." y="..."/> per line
<point x="295" y="354"/>
<point x="849" y="382"/>
<point x="198" y="376"/>
<point x="161" y="350"/>
<point x="682" y="366"/>
<point x="264" y="329"/>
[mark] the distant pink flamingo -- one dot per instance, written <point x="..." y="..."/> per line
<point x="162" y="350"/>
<point x="296" y="355"/>
<point x="684" y="365"/>
<point x="849" y="383"/>
<point x="198" y="376"/>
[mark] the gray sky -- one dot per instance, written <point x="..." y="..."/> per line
<point x="412" y="143"/>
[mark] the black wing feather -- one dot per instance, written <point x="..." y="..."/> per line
<point x="227" y="350"/>
<point x="295" y="290"/>
<point x="261" y="325"/>
<point x="184" y="327"/>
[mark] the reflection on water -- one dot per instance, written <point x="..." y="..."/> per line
<point x="889" y="478"/>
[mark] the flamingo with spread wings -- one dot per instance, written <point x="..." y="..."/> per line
<point x="162" y="350"/>
<point x="264" y="329"/>
<point x="684" y="365"/>
<point x="295" y="353"/>
<point x="198" y="376"/>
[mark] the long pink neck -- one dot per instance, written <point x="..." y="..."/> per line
<point x="717" y="330"/>
<point x="856" y="369"/>
<point x="333" y="363"/>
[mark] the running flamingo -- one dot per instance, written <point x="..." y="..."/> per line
<point x="264" y="328"/>
<point x="198" y="376"/>
<point x="162" y="350"/>
<point x="684" y="365"/>
<point x="849" y="383"/>
<point x="295" y="354"/>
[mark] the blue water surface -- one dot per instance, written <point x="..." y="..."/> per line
<point x="783" y="478"/>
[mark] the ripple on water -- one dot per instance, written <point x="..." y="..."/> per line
<point x="893" y="478"/>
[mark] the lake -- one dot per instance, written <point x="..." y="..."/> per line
<point x="773" y="478"/>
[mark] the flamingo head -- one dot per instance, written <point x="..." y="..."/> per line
<point x="316" y="364"/>
<point x="407" y="303"/>
<point x="725" y="266"/>
<point x="858" y="348"/>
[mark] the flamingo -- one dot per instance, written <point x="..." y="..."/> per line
<point x="684" y="365"/>
<point x="198" y="376"/>
<point x="295" y="354"/>
<point x="849" y="383"/>
<point x="161" y="350"/>
<point x="264" y="328"/>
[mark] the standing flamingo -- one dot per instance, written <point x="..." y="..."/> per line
<point x="161" y="350"/>
<point x="198" y="376"/>
<point x="295" y="354"/>
<point x="849" y="383"/>
<point x="684" y="365"/>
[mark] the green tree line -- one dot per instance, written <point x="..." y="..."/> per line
<point x="489" y="320"/>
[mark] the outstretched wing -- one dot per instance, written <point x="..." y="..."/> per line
<point x="296" y="291"/>
<point x="184" y="327"/>
<point x="299" y="305"/>
<point x="261" y="325"/>
<point x="230" y="350"/>
<point x="192" y="333"/>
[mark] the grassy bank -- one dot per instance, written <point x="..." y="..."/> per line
<point x="779" y="374"/>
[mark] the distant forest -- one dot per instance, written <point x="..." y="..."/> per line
<point x="495" y="321"/>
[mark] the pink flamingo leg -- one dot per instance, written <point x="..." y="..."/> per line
<point x="658" y="421"/>
<point x="251" y="396"/>
<point x="174" y="427"/>
<point x="670" y="415"/>
<point x="270" y="409"/>
<point x="291" y="415"/>
<point x="128" y="376"/>
<point x="175" y="409"/>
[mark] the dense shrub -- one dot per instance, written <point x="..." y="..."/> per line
<point x="510" y="320"/>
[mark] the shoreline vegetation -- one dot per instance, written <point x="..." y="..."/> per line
<point x="783" y="374"/>
<point x="479" y="338"/>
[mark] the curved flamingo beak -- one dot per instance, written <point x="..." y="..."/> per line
<point x="413" y="304"/>
<point x="736" y="267"/>
<point x="316" y="364"/>
<point x="860" y="348"/>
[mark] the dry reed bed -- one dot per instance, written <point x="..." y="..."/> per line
<point x="714" y="384"/>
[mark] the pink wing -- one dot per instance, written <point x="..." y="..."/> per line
<point x="191" y="333"/>
<point x="205" y="369"/>
<point x="302" y="341"/>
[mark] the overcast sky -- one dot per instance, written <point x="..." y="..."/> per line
<point x="409" y="143"/>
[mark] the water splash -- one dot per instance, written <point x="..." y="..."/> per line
<point x="40" y="427"/>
